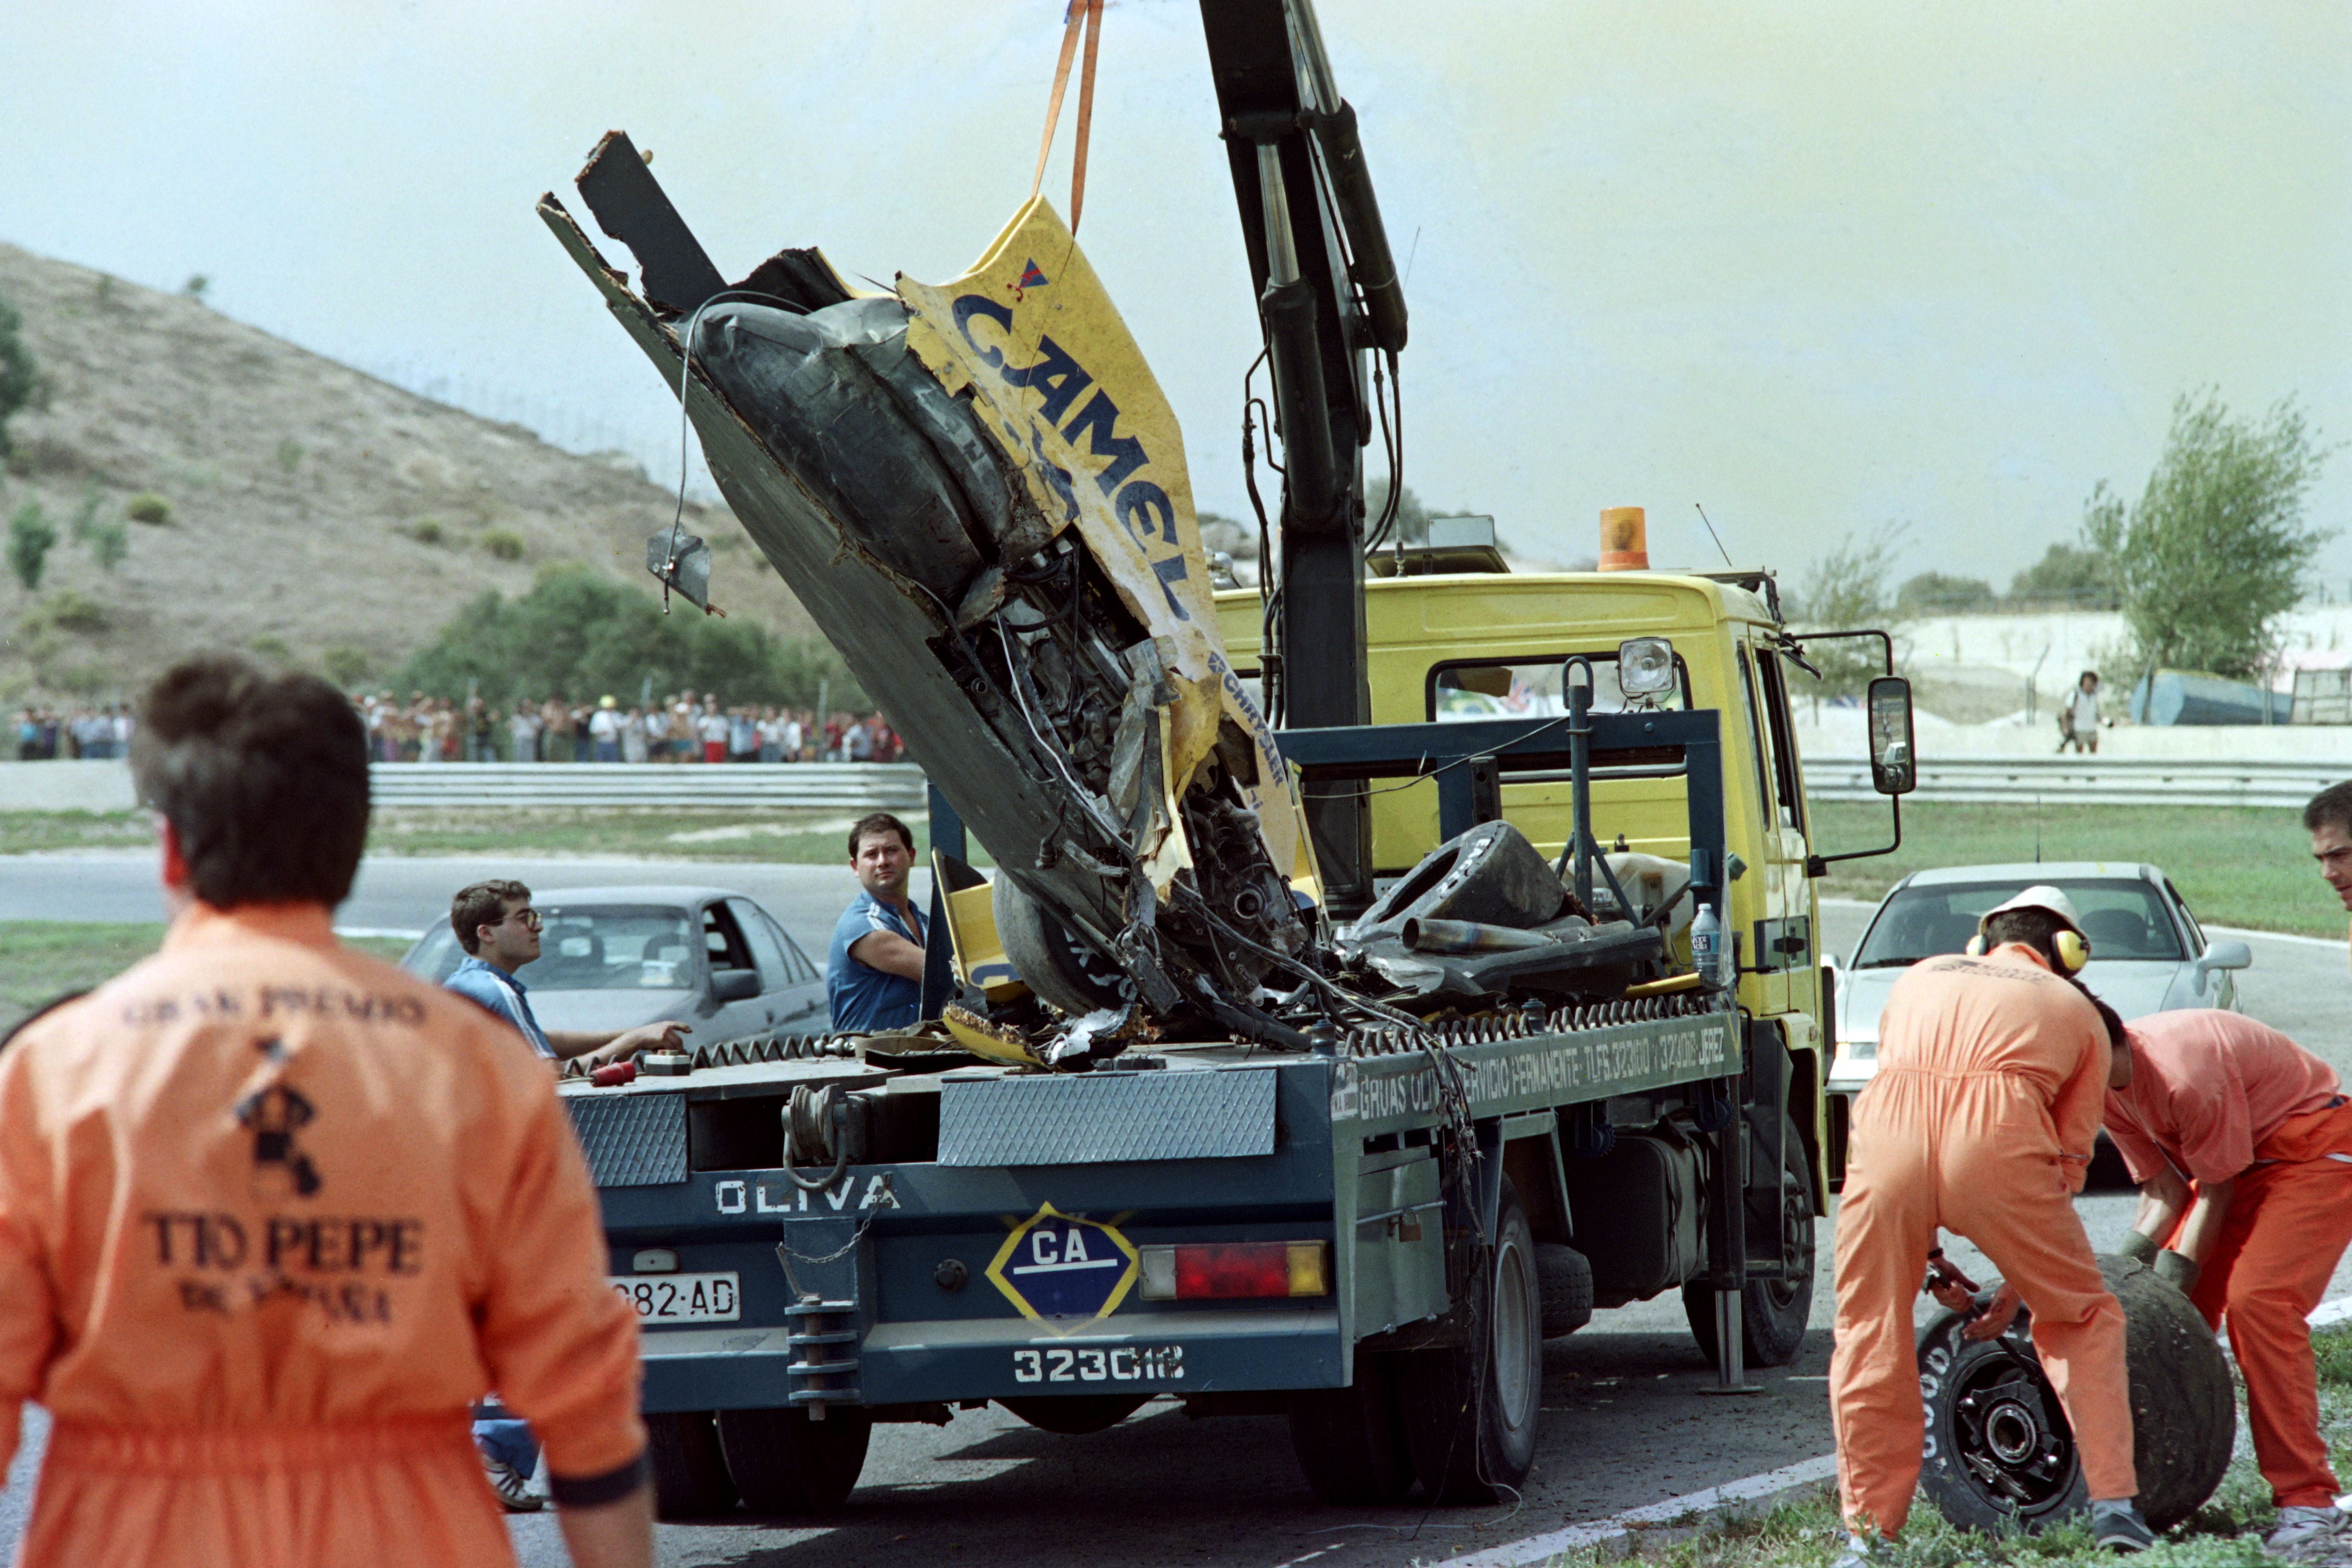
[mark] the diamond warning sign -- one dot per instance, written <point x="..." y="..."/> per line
<point x="1059" y="1266"/>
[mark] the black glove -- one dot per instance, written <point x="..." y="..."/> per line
<point x="2137" y="1246"/>
<point x="2177" y="1270"/>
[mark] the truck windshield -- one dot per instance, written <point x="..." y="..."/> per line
<point x="1530" y="690"/>
<point x="2121" y="917"/>
<point x="595" y="947"/>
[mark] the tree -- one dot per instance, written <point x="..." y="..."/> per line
<point x="1933" y="593"/>
<point x="30" y="537"/>
<point x="1845" y="591"/>
<point x="1411" y="517"/>
<point x="584" y="636"/>
<point x="19" y="376"/>
<point x="2066" y="577"/>
<point x="2215" y="549"/>
<point x="108" y="539"/>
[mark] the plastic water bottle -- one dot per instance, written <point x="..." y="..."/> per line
<point x="1707" y="945"/>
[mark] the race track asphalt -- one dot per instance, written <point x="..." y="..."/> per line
<point x="1626" y="1422"/>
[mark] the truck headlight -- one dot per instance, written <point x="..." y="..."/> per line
<point x="1645" y="667"/>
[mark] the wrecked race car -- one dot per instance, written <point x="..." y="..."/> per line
<point x="980" y="493"/>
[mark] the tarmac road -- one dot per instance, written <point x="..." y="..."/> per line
<point x="1626" y="1423"/>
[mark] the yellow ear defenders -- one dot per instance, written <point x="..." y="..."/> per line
<point x="2072" y="951"/>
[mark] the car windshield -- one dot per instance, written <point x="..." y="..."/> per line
<point x="589" y="947"/>
<point x="2123" y="917"/>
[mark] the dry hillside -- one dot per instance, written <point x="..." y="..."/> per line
<point x="316" y="513"/>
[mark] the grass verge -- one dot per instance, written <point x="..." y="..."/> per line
<point x="42" y="959"/>
<point x="2236" y="866"/>
<point x="2225" y="1533"/>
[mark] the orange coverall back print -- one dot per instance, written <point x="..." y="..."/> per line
<point x="273" y="1215"/>
<point x="1980" y="1120"/>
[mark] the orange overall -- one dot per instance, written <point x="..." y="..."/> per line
<point x="2219" y="1097"/>
<point x="1980" y="1120"/>
<point x="273" y="1215"/>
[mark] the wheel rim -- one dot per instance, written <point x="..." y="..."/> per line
<point x="1796" y="1246"/>
<point x="1517" y="1374"/>
<point x="2010" y="1437"/>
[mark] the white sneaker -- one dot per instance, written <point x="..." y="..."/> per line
<point x="2309" y="1534"/>
<point x="1858" y="1554"/>
<point x="512" y="1486"/>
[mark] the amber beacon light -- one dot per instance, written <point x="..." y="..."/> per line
<point x="1624" y="539"/>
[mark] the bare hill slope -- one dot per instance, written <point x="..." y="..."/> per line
<point x="316" y="514"/>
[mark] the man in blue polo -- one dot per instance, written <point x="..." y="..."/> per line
<point x="874" y="971"/>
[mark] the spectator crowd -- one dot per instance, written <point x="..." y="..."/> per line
<point x="681" y="728"/>
<point x="44" y="734"/>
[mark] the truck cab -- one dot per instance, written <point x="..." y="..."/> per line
<point x="1487" y="643"/>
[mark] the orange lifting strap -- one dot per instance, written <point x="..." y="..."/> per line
<point x="1090" y="13"/>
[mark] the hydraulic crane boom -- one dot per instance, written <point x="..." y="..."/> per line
<point x="1328" y="297"/>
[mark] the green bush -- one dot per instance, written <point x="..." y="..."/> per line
<point x="346" y="666"/>
<point x="30" y="538"/>
<point x="424" y="531"/>
<point x="148" y="507"/>
<point x="289" y="455"/>
<point x="108" y="539"/>
<point x="19" y="376"/>
<point x="67" y="611"/>
<point x="503" y="543"/>
<point x="270" y="646"/>
<point x="580" y="633"/>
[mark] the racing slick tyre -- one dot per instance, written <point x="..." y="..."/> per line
<point x="1773" y="1313"/>
<point x="1564" y="1279"/>
<point x="1470" y="1410"/>
<point x="1351" y="1441"/>
<point x="785" y="1463"/>
<point x="691" y="1479"/>
<point x="2000" y="1453"/>
<point x="1076" y="1415"/>
<point x="1064" y="972"/>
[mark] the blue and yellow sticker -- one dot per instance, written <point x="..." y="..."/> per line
<point x="1055" y="1266"/>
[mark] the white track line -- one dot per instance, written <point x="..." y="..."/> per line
<point x="1748" y="1495"/>
<point x="1754" y="1492"/>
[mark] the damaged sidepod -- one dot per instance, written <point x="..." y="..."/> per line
<point x="1484" y="915"/>
<point x="979" y="492"/>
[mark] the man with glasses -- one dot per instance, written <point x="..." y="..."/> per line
<point x="500" y="932"/>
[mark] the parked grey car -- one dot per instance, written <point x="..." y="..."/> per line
<point x="613" y="958"/>
<point x="2148" y="955"/>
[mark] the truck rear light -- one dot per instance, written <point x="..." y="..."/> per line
<point x="1235" y="1270"/>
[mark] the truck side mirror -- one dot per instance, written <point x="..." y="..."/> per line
<point x="1894" y="764"/>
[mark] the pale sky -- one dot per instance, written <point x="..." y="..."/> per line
<point x="1822" y="266"/>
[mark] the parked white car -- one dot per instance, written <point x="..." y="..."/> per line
<point x="2148" y="955"/>
<point x="613" y="958"/>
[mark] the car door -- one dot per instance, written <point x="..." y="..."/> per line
<point x="791" y="995"/>
<point x="730" y="959"/>
<point x="2220" y="984"/>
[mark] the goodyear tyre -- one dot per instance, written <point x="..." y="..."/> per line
<point x="1999" y="1452"/>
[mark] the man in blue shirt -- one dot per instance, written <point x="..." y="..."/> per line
<point x="500" y="932"/>
<point x="874" y="971"/>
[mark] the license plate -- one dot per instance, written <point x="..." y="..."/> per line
<point x="682" y="1298"/>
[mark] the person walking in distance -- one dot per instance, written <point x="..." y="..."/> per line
<point x="1992" y="1071"/>
<point x="2078" y="721"/>
<point x="274" y="1215"/>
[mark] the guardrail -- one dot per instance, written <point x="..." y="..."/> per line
<point x="846" y="787"/>
<point x="2088" y="780"/>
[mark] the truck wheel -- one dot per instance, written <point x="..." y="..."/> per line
<point x="1471" y="1410"/>
<point x="1077" y="1415"/>
<point x="785" y="1463"/>
<point x="1062" y="970"/>
<point x="691" y="1479"/>
<point x="1351" y="1441"/>
<point x="1999" y="1448"/>
<point x="1773" y="1313"/>
<point x="1564" y="1277"/>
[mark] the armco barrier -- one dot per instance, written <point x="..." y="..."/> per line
<point x="2088" y="780"/>
<point x="846" y="787"/>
